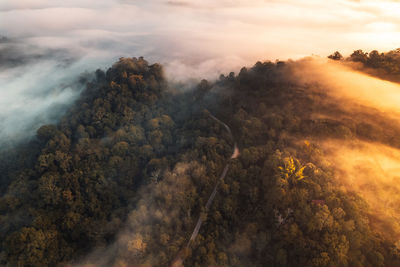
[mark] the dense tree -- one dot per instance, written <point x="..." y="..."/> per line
<point x="336" y="56"/>
<point x="129" y="168"/>
<point x="383" y="65"/>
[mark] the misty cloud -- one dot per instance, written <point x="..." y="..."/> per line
<point x="371" y="170"/>
<point x="14" y="54"/>
<point x="177" y="30"/>
<point x="156" y="218"/>
<point x="345" y="84"/>
<point x="365" y="161"/>
<point x="36" y="86"/>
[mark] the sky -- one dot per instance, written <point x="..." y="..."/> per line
<point x="202" y="33"/>
<point x="47" y="43"/>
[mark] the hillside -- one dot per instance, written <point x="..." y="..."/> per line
<point x="123" y="177"/>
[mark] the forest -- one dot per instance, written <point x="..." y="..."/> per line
<point x="124" y="175"/>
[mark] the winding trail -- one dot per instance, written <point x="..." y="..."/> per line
<point x="181" y="255"/>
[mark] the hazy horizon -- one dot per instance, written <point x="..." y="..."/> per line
<point x="196" y="35"/>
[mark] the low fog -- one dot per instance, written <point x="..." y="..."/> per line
<point x="37" y="86"/>
<point x="372" y="171"/>
<point x="152" y="219"/>
<point x="343" y="83"/>
<point x="367" y="163"/>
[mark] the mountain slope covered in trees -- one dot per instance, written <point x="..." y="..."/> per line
<point x="123" y="177"/>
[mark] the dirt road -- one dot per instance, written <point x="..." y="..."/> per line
<point x="181" y="255"/>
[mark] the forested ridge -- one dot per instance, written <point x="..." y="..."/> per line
<point x="123" y="177"/>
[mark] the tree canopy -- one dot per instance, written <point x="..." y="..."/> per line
<point x="123" y="177"/>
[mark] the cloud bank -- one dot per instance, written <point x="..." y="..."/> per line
<point x="194" y="32"/>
